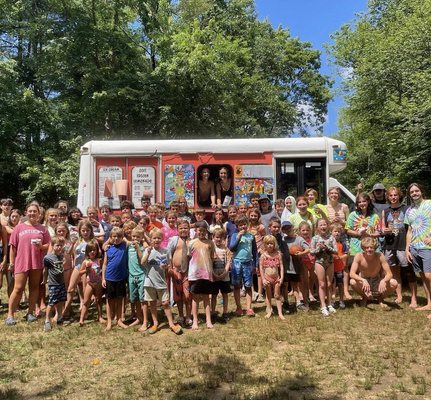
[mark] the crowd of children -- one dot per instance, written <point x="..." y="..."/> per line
<point x="140" y="261"/>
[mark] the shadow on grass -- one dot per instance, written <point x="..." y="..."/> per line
<point x="226" y="377"/>
<point x="10" y="394"/>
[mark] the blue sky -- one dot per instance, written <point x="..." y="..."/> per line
<point x="314" y="21"/>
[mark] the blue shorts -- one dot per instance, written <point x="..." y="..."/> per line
<point x="421" y="259"/>
<point x="136" y="288"/>
<point x="338" y="278"/>
<point x="56" y="294"/>
<point x="242" y="271"/>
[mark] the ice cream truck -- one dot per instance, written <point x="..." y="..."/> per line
<point x="164" y="170"/>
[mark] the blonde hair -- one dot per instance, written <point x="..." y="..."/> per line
<point x="269" y="239"/>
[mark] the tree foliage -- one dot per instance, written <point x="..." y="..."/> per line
<point x="386" y="61"/>
<point x="73" y="71"/>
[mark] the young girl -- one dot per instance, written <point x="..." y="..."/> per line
<point x="221" y="266"/>
<point x="309" y="278"/>
<point x="217" y="220"/>
<point x="271" y="270"/>
<point x="62" y="230"/>
<point x="51" y="220"/>
<point x="170" y="230"/>
<point x="289" y="208"/>
<point x="92" y="270"/>
<point x="242" y="209"/>
<point x="302" y="214"/>
<point x="93" y="217"/>
<point x="258" y="231"/>
<point x="85" y="234"/>
<point x="323" y="246"/>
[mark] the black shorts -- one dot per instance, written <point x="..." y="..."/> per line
<point x="338" y="278"/>
<point x="115" y="290"/>
<point x="201" y="286"/>
<point x="221" y="286"/>
<point x="56" y="294"/>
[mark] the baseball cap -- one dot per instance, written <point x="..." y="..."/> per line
<point x="378" y="186"/>
<point x="286" y="224"/>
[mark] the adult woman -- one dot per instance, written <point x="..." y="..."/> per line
<point x="28" y="244"/>
<point x="224" y="188"/>
<point x="206" y="190"/>
<point x="361" y="223"/>
<point x="302" y="214"/>
<point x="6" y="207"/>
<point x="395" y="243"/>
<point x="289" y="208"/>
<point x="318" y="210"/>
<point x="62" y="205"/>
<point x="337" y="212"/>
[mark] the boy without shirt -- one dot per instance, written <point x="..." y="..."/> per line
<point x="371" y="282"/>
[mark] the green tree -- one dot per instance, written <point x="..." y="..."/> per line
<point x="385" y="57"/>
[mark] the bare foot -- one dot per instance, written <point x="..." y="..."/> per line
<point x="195" y="327"/>
<point x="429" y="316"/>
<point x="143" y="328"/>
<point x="108" y="327"/>
<point x="209" y="326"/>
<point x="383" y="306"/>
<point x="413" y="304"/>
<point x="102" y="320"/>
<point x="121" y="324"/>
<point x="398" y="300"/>
<point x="268" y="315"/>
<point x="347" y="296"/>
<point x="424" y="308"/>
<point x="81" y="324"/>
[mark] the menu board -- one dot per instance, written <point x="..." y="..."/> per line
<point x="179" y="181"/>
<point x="253" y="179"/>
<point x="107" y="190"/>
<point x="143" y="182"/>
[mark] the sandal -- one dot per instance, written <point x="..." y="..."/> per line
<point x="176" y="329"/>
<point x="153" y="329"/>
<point x="10" y="321"/>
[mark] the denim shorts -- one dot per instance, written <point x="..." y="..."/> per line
<point x="242" y="271"/>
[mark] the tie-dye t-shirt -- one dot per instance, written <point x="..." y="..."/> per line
<point x="419" y="220"/>
<point x="356" y="221"/>
<point x="201" y="254"/>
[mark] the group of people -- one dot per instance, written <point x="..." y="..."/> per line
<point x="154" y="257"/>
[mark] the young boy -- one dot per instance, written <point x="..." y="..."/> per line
<point x="179" y="267"/>
<point x="114" y="275"/>
<point x="155" y="260"/>
<point x="106" y="212"/>
<point x="294" y="273"/>
<point x="137" y="275"/>
<point x="114" y="220"/>
<point x="279" y="207"/>
<point x="199" y="215"/>
<point x="275" y="230"/>
<point x="339" y="261"/>
<point x="244" y="261"/>
<point x="154" y="222"/>
<point x="221" y="267"/>
<point x="54" y="276"/>
<point x="230" y="226"/>
<point x="201" y="253"/>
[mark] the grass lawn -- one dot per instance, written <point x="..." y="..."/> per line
<point x="358" y="353"/>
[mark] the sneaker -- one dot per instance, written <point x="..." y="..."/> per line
<point x="31" y="318"/>
<point x="47" y="326"/>
<point x="66" y="322"/>
<point x="260" y="299"/>
<point x="239" y="313"/>
<point x="331" y="309"/>
<point x="342" y="305"/>
<point x="255" y="297"/>
<point x="224" y="318"/>
<point x="60" y="321"/>
<point x="324" y="311"/>
<point x="301" y="306"/>
<point x="242" y="293"/>
<point x="10" y="321"/>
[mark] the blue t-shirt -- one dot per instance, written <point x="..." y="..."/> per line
<point x="244" y="248"/>
<point x="116" y="266"/>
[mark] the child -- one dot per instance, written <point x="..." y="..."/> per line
<point x="126" y="216"/>
<point x="154" y="222"/>
<point x="279" y="207"/>
<point x="221" y="266"/>
<point x="55" y="278"/>
<point x="266" y="211"/>
<point x="93" y="272"/>
<point x="271" y="271"/>
<point x="137" y="275"/>
<point x="230" y="226"/>
<point x="309" y="278"/>
<point x="106" y="212"/>
<point x="170" y="229"/>
<point x="114" y="275"/>
<point x="258" y="231"/>
<point x="155" y="260"/>
<point x="199" y="215"/>
<point x="242" y="209"/>
<point x="179" y="269"/>
<point x="62" y="230"/>
<point x="85" y="234"/>
<point x="323" y="246"/>
<point x="128" y="227"/>
<point x="114" y="220"/>
<point x="201" y="253"/>
<point x="293" y="275"/>
<point x="339" y="260"/>
<point x="243" y="246"/>
<point x="217" y="220"/>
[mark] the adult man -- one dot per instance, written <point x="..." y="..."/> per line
<point x="418" y="240"/>
<point x="378" y="195"/>
<point x="375" y="277"/>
